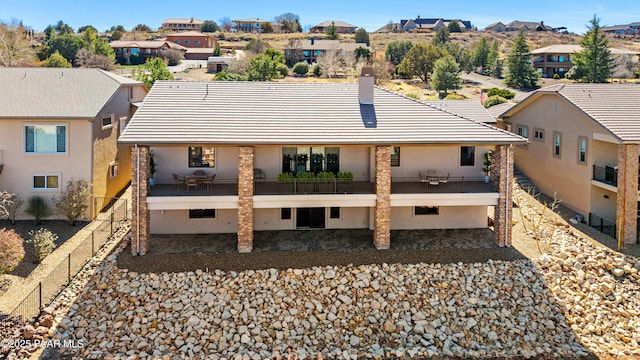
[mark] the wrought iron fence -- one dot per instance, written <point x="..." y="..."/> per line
<point x="604" y="226"/>
<point x="48" y="288"/>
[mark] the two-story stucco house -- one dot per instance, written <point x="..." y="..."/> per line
<point x="414" y="166"/>
<point x="61" y="124"/>
<point x="584" y="147"/>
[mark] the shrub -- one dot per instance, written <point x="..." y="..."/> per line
<point x="494" y="100"/>
<point x="38" y="208"/>
<point x="345" y="176"/>
<point x="173" y="57"/>
<point x="11" y="250"/>
<point x="556" y="76"/>
<point x="9" y="205"/>
<point x="301" y="68"/>
<point x="316" y="70"/>
<point x="413" y="96"/>
<point x="227" y="75"/>
<point x="73" y="201"/>
<point x="455" y="97"/>
<point x="44" y="241"/>
<point x="501" y="92"/>
<point x="282" y="69"/>
<point x="285" y="177"/>
<point x="305" y="177"/>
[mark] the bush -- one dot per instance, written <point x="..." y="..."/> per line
<point x="173" y="57"/>
<point x="227" y="75"/>
<point x="73" y="201"/>
<point x="9" y="205"/>
<point x="455" y="97"/>
<point x="301" y="68"/>
<point x="556" y="76"/>
<point x="38" y="208"/>
<point x="44" y="241"/>
<point x="501" y="92"/>
<point x="11" y="250"/>
<point x="285" y="177"/>
<point x="494" y="100"/>
<point x="316" y="70"/>
<point x="282" y="69"/>
<point x="345" y="176"/>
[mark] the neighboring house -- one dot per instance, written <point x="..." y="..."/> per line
<point x="216" y="64"/>
<point x="145" y="49"/>
<point x="240" y="132"/>
<point x="584" y="148"/>
<point x="631" y="30"/>
<point x="182" y="24"/>
<point x="524" y="25"/>
<point x="341" y="27"/>
<point x="432" y="24"/>
<point x="193" y="39"/>
<point x="390" y="28"/>
<point x="558" y="59"/>
<point x="253" y="25"/>
<point x="62" y="124"/>
<point x="311" y="50"/>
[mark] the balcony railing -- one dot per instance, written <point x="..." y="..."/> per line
<point x="604" y="226"/>
<point x="607" y="175"/>
<point x="313" y="186"/>
<point x="451" y="184"/>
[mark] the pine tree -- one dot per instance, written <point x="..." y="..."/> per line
<point x="332" y="32"/>
<point x="594" y="61"/>
<point x="441" y="38"/>
<point x="217" y="51"/>
<point x="494" y="66"/>
<point x="521" y="73"/>
<point x="446" y="74"/>
<point x="480" y="54"/>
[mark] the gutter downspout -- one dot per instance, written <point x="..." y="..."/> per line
<point x="137" y="199"/>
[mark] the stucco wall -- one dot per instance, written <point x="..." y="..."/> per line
<point x="171" y="160"/>
<point x="601" y="206"/>
<point x="178" y="222"/>
<point x="20" y="167"/>
<point x="452" y="217"/>
<point x="443" y="159"/>
<point x="562" y="175"/>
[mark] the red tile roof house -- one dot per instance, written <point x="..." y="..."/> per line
<point x="146" y="49"/>
<point x="247" y="133"/>
<point x="199" y="45"/>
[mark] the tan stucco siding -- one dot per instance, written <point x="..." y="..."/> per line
<point x="561" y="175"/>
<point x="178" y="222"/>
<point x="20" y="167"/>
<point x="449" y="217"/>
<point x="444" y="159"/>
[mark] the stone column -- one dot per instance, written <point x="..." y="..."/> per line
<point x="140" y="190"/>
<point x="382" y="219"/>
<point x="627" y="196"/>
<point x="245" y="199"/>
<point x="503" y="212"/>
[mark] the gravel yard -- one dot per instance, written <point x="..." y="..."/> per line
<point x="580" y="300"/>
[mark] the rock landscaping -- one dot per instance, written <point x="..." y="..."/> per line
<point x="580" y="300"/>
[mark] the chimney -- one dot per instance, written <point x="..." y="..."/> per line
<point x="365" y="86"/>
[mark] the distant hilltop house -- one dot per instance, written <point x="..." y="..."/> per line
<point x="182" y="24"/>
<point x="255" y="25"/>
<point x="524" y="25"/>
<point x="143" y="50"/>
<point x="631" y="30"/>
<point x="199" y="45"/>
<point x="341" y="27"/>
<point x="390" y="28"/>
<point x="431" y="24"/>
<point x="558" y="59"/>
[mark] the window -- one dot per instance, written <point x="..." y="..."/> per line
<point x="426" y="210"/>
<point x="177" y="41"/>
<point x="285" y="214"/>
<point x="202" y="156"/>
<point x="46" y="181"/>
<point x="522" y="131"/>
<point x="582" y="150"/>
<point x="202" y="213"/>
<point x="467" y="156"/>
<point x="538" y="134"/>
<point x="123" y="124"/>
<point x="395" y="156"/>
<point x="107" y="122"/>
<point x="557" y="143"/>
<point x="310" y="159"/>
<point x="197" y="41"/>
<point x="45" y="139"/>
<point x="334" y="213"/>
<point x="187" y="41"/>
<point x="113" y="169"/>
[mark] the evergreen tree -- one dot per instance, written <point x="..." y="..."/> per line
<point x="56" y="60"/>
<point x="594" y="61"/>
<point x="521" y="73"/>
<point x="397" y="50"/>
<point x="494" y="66"/>
<point x="362" y="36"/>
<point x="441" y="38"/>
<point x="217" y="51"/>
<point x="446" y="75"/>
<point x="420" y="60"/>
<point x="461" y="54"/>
<point x="154" y="69"/>
<point x="480" y="54"/>
<point x="454" y="27"/>
<point x="332" y="32"/>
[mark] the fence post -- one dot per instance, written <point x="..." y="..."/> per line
<point x="462" y="184"/>
<point x="111" y="220"/>
<point x="69" y="267"/>
<point x="93" y="246"/>
<point x="39" y="295"/>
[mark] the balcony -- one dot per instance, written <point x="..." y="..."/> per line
<point x="606" y="175"/>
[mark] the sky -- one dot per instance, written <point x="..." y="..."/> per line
<point x="370" y="14"/>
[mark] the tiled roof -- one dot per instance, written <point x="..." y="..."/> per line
<point x="183" y="21"/>
<point x="57" y="92"/>
<point x="336" y="23"/>
<point x="295" y="113"/>
<point x="569" y="49"/>
<point x="470" y="109"/>
<point x="188" y="34"/>
<point x="330" y="45"/>
<point x="151" y="44"/>
<point x="614" y="106"/>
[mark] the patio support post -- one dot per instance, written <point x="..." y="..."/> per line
<point x="627" y="197"/>
<point x="140" y="190"/>
<point x="245" y="199"/>
<point x="503" y="212"/>
<point x="382" y="219"/>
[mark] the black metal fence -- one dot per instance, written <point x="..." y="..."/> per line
<point x="604" y="226"/>
<point x="108" y="222"/>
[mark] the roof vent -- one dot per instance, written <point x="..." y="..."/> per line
<point x="365" y="86"/>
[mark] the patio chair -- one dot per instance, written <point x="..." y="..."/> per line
<point x="199" y="173"/>
<point x="432" y="178"/>
<point x="179" y="180"/>
<point x="423" y="176"/>
<point x="208" y="181"/>
<point x="192" y="182"/>
<point x="444" y="179"/>
<point x="258" y="174"/>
